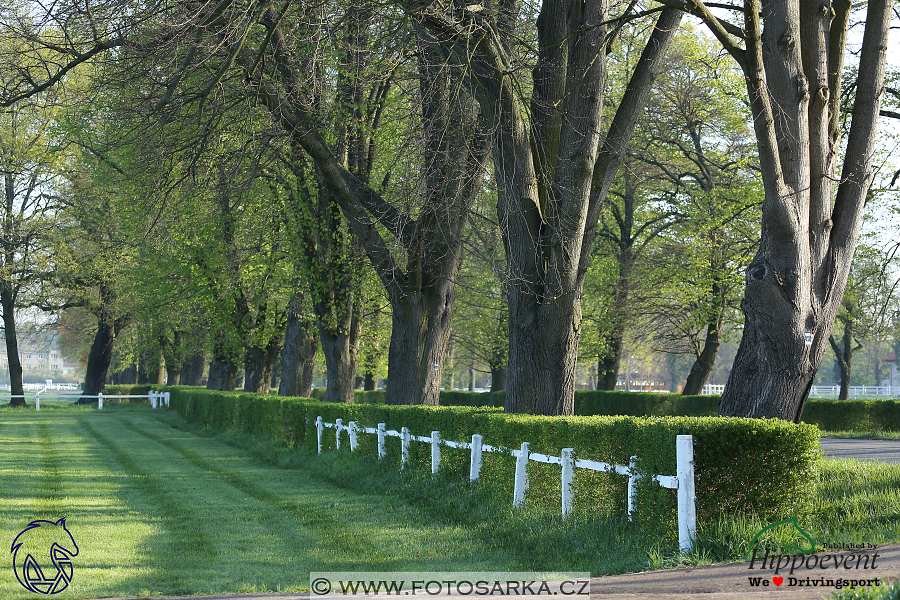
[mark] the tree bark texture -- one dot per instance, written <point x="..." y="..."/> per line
<point x="260" y="364"/>
<point x="198" y="364"/>
<point x="795" y="283"/>
<point x="298" y="355"/>
<point x="706" y="359"/>
<point x="100" y="354"/>
<point x="8" y="306"/>
<point x="704" y="363"/>
<point x="422" y="293"/>
<point x="552" y="176"/>
<point x="844" y="355"/>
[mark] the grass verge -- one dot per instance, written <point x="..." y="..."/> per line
<point x="158" y="506"/>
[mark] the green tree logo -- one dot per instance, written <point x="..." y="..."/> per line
<point x="792" y="521"/>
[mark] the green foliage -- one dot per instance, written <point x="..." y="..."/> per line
<point x="760" y="467"/>
<point x="601" y="402"/>
<point x="853" y="415"/>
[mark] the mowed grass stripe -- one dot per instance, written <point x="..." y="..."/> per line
<point x="330" y="531"/>
<point x="66" y="478"/>
<point x="181" y="545"/>
<point x="158" y="510"/>
<point x="349" y="531"/>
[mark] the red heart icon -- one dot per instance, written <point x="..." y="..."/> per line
<point x="778" y="580"/>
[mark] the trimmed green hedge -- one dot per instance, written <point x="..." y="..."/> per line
<point x="742" y="465"/>
<point x="129" y="390"/>
<point x="853" y="415"/>
<point x="828" y="414"/>
<point x="359" y="396"/>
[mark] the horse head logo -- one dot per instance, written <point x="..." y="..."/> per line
<point x="42" y="556"/>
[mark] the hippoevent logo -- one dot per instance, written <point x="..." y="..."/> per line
<point x="42" y="556"/>
<point x="806" y="568"/>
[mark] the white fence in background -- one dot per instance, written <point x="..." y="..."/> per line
<point x="682" y="481"/>
<point x="829" y="391"/>
<point x="32" y="387"/>
<point x="157" y="399"/>
<point x="855" y="391"/>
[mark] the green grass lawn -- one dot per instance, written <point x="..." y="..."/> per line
<point x="158" y="506"/>
<point x="156" y="510"/>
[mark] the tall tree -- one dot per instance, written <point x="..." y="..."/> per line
<point x="866" y="309"/>
<point x="552" y="163"/>
<point x="791" y="54"/>
<point x="698" y="139"/>
<point x="31" y="163"/>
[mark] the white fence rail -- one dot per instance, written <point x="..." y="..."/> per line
<point x="31" y="387"/>
<point x="157" y="399"/>
<point x="829" y="391"/>
<point x="682" y="481"/>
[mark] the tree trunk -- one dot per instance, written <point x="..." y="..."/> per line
<point x="339" y="374"/>
<point x="795" y="283"/>
<point x="130" y="376"/>
<point x="369" y="382"/>
<point x="222" y="376"/>
<point x="449" y="366"/>
<point x="298" y="356"/>
<point x="260" y="366"/>
<point x="12" y="349"/>
<point x="706" y="360"/>
<point x="198" y="363"/>
<point x="498" y="378"/>
<point x="157" y="369"/>
<point x="419" y="334"/>
<point x="608" y="366"/>
<point x="173" y="374"/>
<point x="548" y="229"/>
<point x="704" y="363"/>
<point x="844" y="355"/>
<point x="99" y="359"/>
<point x="184" y="376"/>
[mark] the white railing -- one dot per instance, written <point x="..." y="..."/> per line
<point x="31" y="387"/>
<point x="710" y="389"/>
<point x="855" y="391"/>
<point x="682" y="481"/>
<point x="155" y="398"/>
<point x="827" y="391"/>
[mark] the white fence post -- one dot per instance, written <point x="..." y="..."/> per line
<point x="435" y="451"/>
<point x="381" y="451"/>
<point x="351" y="427"/>
<point x="687" y="508"/>
<point x="521" y="483"/>
<point x="99" y="400"/>
<point x="338" y="425"/>
<point x="633" y="478"/>
<point x="319" y="427"/>
<point x="568" y="472"/>
<point x="167" y="395"/>
<point x="37" y="401"/>
<point x="152" y="398"/>
<point x="404" y="447"/>
<point x="475" y="460"/>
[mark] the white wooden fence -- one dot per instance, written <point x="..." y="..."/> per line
<point x="155" y="398"/>
<point x="682" y="481"/>
<point x="829" y="391"/>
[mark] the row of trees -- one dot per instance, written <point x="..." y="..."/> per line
<point x="251" y="180"/>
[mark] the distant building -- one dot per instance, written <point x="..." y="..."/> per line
<point x="894" y="378"/>
<point x="41" y="355"/>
